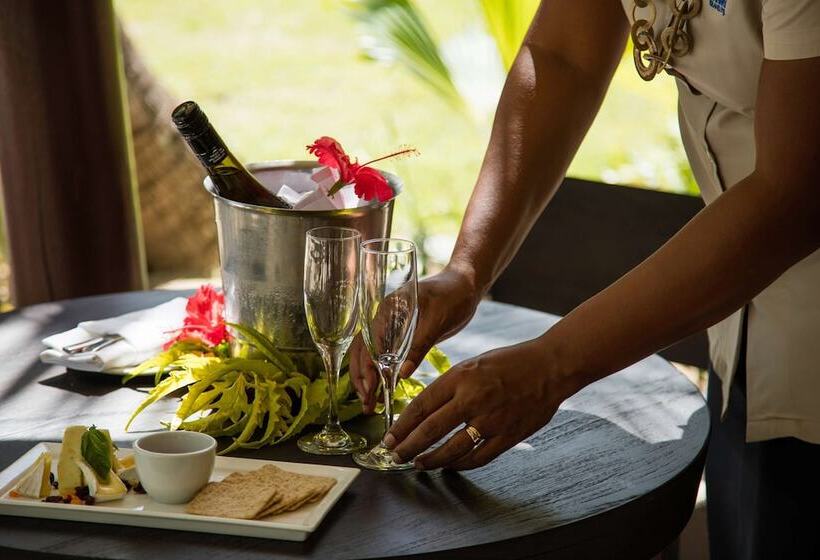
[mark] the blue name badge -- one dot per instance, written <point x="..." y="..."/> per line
<point x="719" y="6"/>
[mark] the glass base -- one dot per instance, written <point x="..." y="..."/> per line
<point x="336" y="442"/>
<point x="379" y="459"/>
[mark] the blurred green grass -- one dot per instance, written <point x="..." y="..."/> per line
<point x="274" y="75"/>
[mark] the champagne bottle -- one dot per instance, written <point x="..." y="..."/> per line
<point x="230" y="178"/>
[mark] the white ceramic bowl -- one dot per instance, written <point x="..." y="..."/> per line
<point x="174" y="466"/>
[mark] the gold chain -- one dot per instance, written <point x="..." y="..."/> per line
<point x="653" y="54"/>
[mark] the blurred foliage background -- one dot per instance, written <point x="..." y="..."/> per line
<point x="275" y="74"/>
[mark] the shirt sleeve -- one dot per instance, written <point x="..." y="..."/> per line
<point x="791" y="29"/>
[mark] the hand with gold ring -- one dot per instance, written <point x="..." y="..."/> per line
<point x="500" y="398"/>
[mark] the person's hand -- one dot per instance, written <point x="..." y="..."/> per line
<point x="447" y="302"/>
<point x="506" y="394"/>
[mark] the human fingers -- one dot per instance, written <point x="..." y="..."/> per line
<point x="356" y="370"/>
<point x="363" y="374"/>
<point x="481" y="454"/>
<point x="437" y="425"/>
<point x="424" y="339"/>
<point x="447" y="301"/>
<point x="459" y="445"/>
<point x="370" y="379"/>
<point x="430" y="400"/>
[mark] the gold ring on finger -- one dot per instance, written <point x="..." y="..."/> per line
<point x="474" y="434"/>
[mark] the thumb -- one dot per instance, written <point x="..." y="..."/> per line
<point x="421" y="345"/>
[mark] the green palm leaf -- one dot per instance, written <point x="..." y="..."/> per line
<point x="507" y="21"/>
<point x="396" y="31"/>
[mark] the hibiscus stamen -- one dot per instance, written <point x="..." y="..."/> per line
<point x="402" y="153"/>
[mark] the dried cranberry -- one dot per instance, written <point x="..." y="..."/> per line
<point x="54" y="499"/>
<point x="67" y="499"/>
<point x="89" y="500"/>
<point x="81" y="492"/>
<point x="52" y="480"/>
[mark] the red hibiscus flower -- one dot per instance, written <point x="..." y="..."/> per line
<point x="204" y="321"/>
<point x="331" y="154"/>
<point x="368" y="183"/>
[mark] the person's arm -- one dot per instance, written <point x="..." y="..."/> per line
<point x="722" y="258"/>
<point x="552" y="94"/>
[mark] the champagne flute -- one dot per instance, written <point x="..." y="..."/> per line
<point x="388" y="297"/>
<point x="331" y="307"/>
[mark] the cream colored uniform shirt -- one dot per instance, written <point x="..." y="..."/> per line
<point x="716" y="108"/>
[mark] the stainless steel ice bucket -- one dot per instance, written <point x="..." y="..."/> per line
<point x="261" y="252"/>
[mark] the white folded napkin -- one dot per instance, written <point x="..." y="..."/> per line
<point x="143" y="334"/>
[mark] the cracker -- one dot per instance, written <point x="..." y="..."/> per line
<point x="240" y="497"/>
<point x="261" y="493"/>
<point x="296" y="489"/>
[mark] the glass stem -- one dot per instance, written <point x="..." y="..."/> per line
<point x="388" y="376"/>
<point x="332" y="357"/>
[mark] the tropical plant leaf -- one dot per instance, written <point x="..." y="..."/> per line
<point x="313" y="400"/>
<point x="438" y="359"/>
<point x="238" y="424"/>
<point x="205" y="376"/>
<point x="244" y="397"/>
<point x="176" y="380"/>
<point x="207" y="399"/>
<point x="274" y="409"/>
<point x="253" y="417"/>
<point x="349" y="410"/>
<point x="205" y="402"/>
<point x="347" y="401"/>
<point x="263" y="368"/>
<point x="164" y="360"/>
<point x="397" y="32"/>
<point x="507" y="21"/>
<point x="228" y="408"/>
<point x="265" y="345"/>
<point x="408" y="389"/>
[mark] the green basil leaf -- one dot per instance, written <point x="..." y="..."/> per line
<point x="95" y="451"/>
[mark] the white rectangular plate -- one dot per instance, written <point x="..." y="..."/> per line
<point x="139" y="510"/>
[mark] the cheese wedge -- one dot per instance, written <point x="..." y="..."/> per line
<point x="126" y="462"/>
<point x="35" y="481"/>
<point x="128" y="471"/>
<point x="73" y="470"/>
<point x="69" y="475"/>
<point x="129" y="475"/>
<point x="112" y="489"/>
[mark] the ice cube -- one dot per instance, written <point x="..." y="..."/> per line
<point x="347" y="197"/>
<point x="325" y="177"/>
<point x="315" y="200"/>
<point x="289" y="195"/>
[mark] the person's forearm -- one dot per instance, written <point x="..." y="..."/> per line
<point x="551" y="96"/>
<point x="727" y="254"/>
<point x="724" y="256"/>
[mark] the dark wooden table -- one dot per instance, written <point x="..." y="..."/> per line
<point x="614" y="474"/>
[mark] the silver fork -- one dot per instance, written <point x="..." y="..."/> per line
<point x="92" y="345"/>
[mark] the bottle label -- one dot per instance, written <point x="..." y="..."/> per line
<point x="208" y="147"/>
<point x="213" y="155"/>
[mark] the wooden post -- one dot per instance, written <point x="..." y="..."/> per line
<point x="66" y="159"/>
